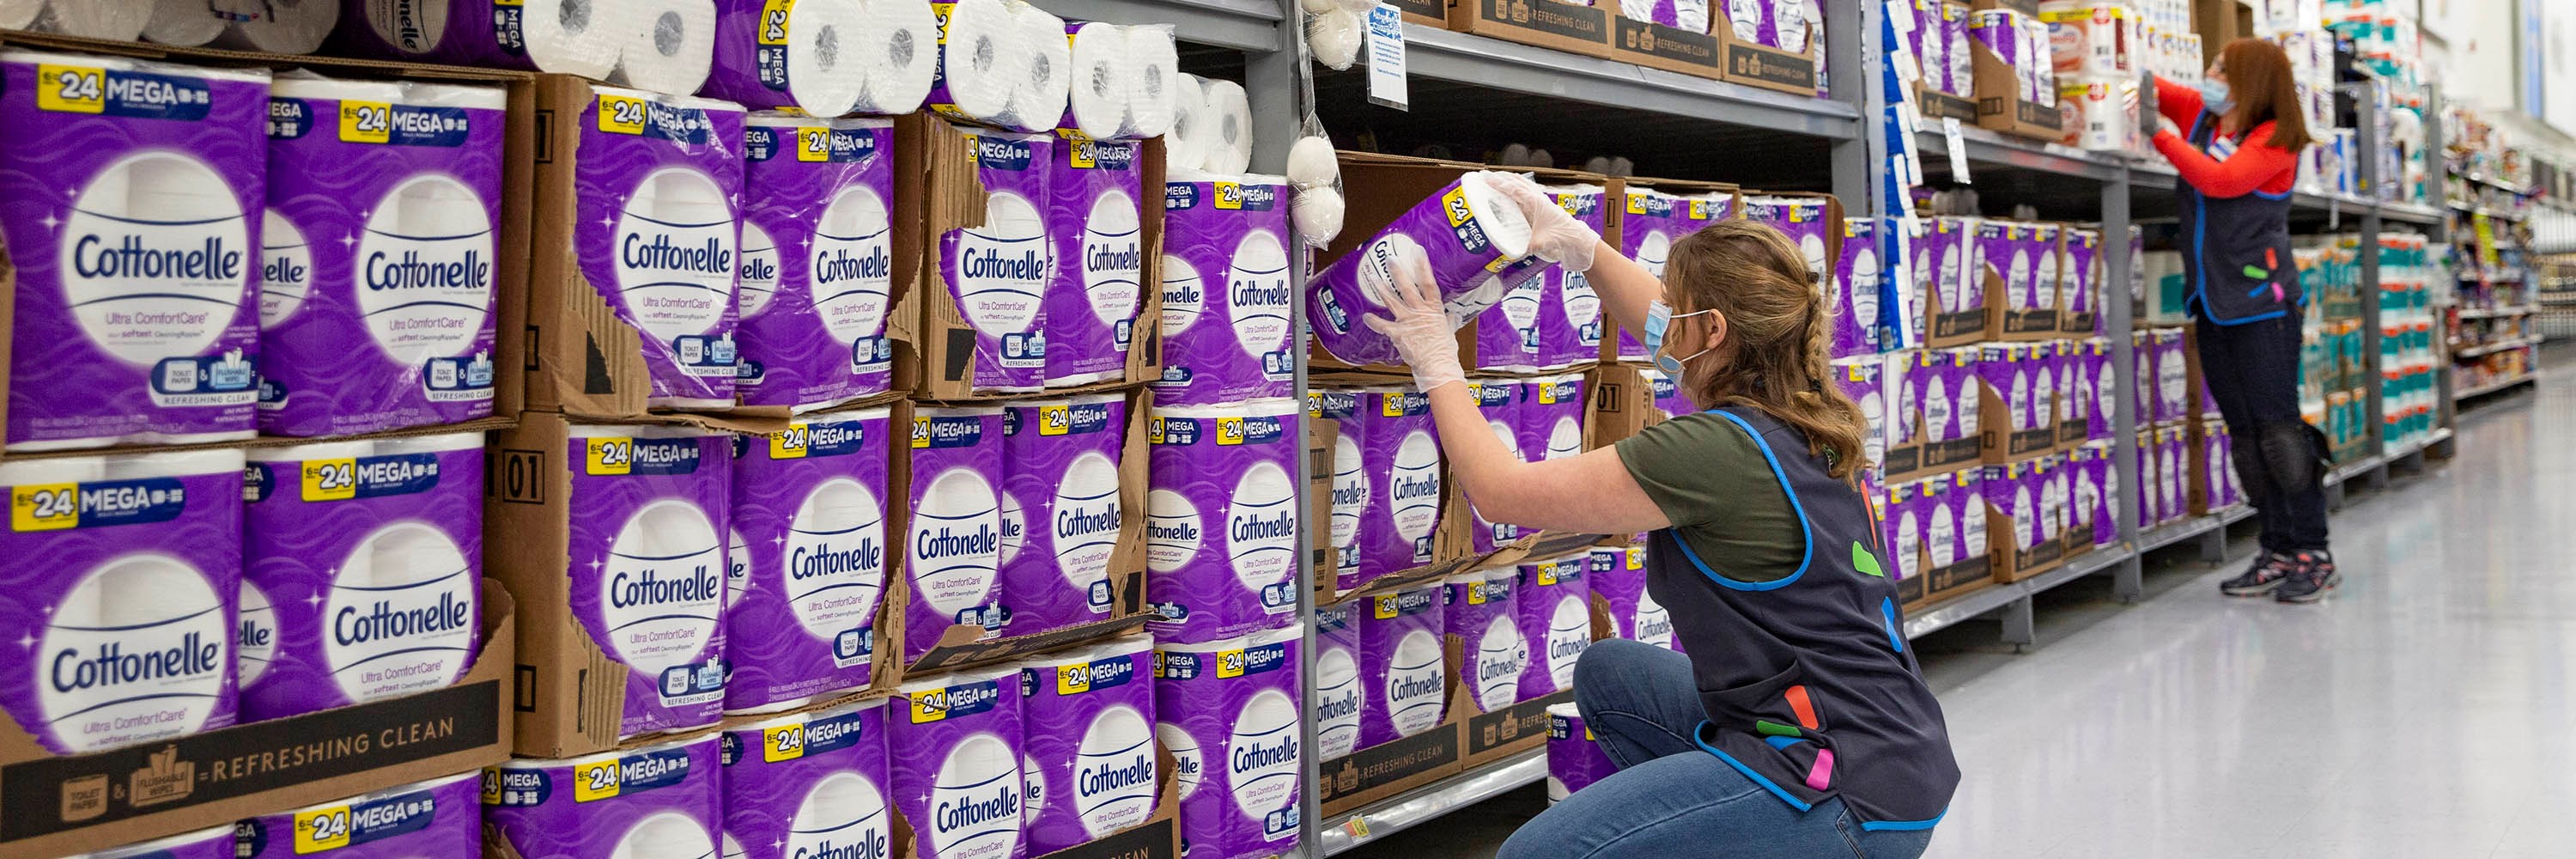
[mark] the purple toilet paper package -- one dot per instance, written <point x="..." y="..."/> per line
<point x="376" y="300"/>
<point x="658" y="232"/>
<point x="2041" y="246"/>
<point x="1403" y="678"/>
<point x="1061" y="513"/>
<point x="1574" y="759"/>
<point x="1226" y="290"/>
<point x="2083" y="498"/>
<point x="1901" y="531"/>
<point x="1399" y="449"/>
<point x="1552" y="603"/>
<point x="809" y="785"/>
<point x="2016" y="377"/>
<point x="362" y="571"/>
<point x="1221" y="537"/>
<point x="953" y="550"/>
<point x="1957" y="533"/>
<point x="1999" y="255"/>
<point x="1948" y="381"/>
<point x="1480" y="610"/>
<point x="1569" y="310"/>
<point x="999" y="273"/>
<point x="953" y="743"/>
<point x="2150" y="512"/>
<point x="2101" y="480"/>
<point x="1648" y="227"/>
<point x="1093" y="194"/>
<point x="1855" y="293"/>
<point x="658" y="800"/>
<point x="1088" y="719"/>
<point x="2014" y="490"/>
<point x="649" y="559"/>
<point x="2057" y="489"/>
<point x="1499" y="400"/>
<point x="1552" y="413"/>
<point x="809" y="515"/>
<point x="2094" y="381"/>
<point x="2173" y="463"/>
<point x="1859" y="379"/>
<point x="1802" y="219"/>
<point x="133" y="215"/>
<point x="1507" y="332"/>
<point x="142" y="558"/>
<point x="1228" y="711"/>
<point x="2172" y="403"/>
<point x="2074" y="411"/>
<point x="217" y="843"/>
<point x="438" y="817"/>
<point x="1352" y="484"/>
<point x="1902" y="407"/>
<point x="1618" y="577"/>
<point x="1958" y="290"/>
<point x="1667" y="393"/>
<point x="817" y="269"/>
<point x="1468" y="232"/>
<point x="1338" y="690"/>
<point x="2079" y="283"/>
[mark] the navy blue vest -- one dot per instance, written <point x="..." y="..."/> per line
<point x="2236" y="250"/>
<point x="1806" y="680"/>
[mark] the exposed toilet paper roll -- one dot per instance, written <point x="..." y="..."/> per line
<point x="1312" y="162"/>
<point x="982" y="61"/>
<point x="1101" y="84"/>
<point x="173" y="22"/>
<point x="1228" y="711"/>
<point x="1461" y="261"/>
<point x="1229" y="128"/>
<point x="282" y="27"/>
<point x="1335" y="38"/>
<point x="1155" y="68"/>
<point x="158" y="575"/>
<point x="648" y="561"/>
<point x="1221" y="539"/>
<point x="1038" y="98"/>
<point x="1185" y="144"/>
<point x="804" y="56"/>
<point x="574" y="37"/>
<point x="953" y="552"/>
<point x="18" y="14"/>
<point x="897" y="46"/>
<point x="1318" y="214"/>
<point x="809" y="505"/>
<point x="667" y="802"/>
<point x="809" y="785"/>
<point x="953" y="742"/>
<point x="120" y="20"/>
<point x="673" y="49"/>
<point x="1089" y="722"/>
<point x="438" y="817"/>
<point x="216" y="843"/>
<point x="1062" y="484"/>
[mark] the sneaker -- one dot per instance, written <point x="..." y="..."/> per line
<point x="2269" y="570"/>
<point x="2312" y="576"/>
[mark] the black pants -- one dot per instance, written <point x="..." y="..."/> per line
<point x="2253" y="374"/>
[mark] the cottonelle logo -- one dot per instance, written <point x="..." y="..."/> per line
<point x="286" y="269"/>
<point x="834" y="567"/>
<point x="1413" y="491"/>
<point x="1084" y="530"/>
<point x="676" y="248"/>
<point x="137" y="651"/>
<point x="1113" y="771"/>
<point x="1416" y="682"/>
<point x="1262" y="763"/>
<point x="1501" y="656"/>
<point x="1261" y="532"/>
<point x="975" y="800"/>
<point x="1113" y="259"/>
<point x="843" y="817"/>
<point x="426" y="279"/>
<point x="155" y="257"/>
<point x="956" y="542"/>
<point x="852" y="274"/>
<point x="662" y="586"/>
<point x="1337" y="702"/>
<point x="401" y="613"/>
<point x="1257" y="300"/>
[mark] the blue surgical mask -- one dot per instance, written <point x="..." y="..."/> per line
<point x="1659" y="317"/>
<point x="2214" y="96"/>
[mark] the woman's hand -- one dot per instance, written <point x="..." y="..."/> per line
<point x="1554" y="235"/>
<point x="1418" y="323"/>
<point x="2166" y="124"/>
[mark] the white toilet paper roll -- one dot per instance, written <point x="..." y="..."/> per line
<point x="817" y="60"/>
<point x="1101" y="86"/>
<point x="121" y="20"/>
<point x="321" y="450"/>
<point x="573" y="37"/>
<point x="1311" y="162"/>
<point x="1335" y="38"/>
<point x="1185" y="144"/>
<point x="1598" y="164"/>
<point x="1514" y="155"/>
<point x="1540" y="158"/>
<point x="982" y="59"/>
<point x="282" y="26"/>
<point x="38" y="472"/>
<point x="898" y="47"/>
<point x="1229" y="146"/>
<point x="1038" y="100"/>
<point x="1317" y="214"/>
<point x="18" y="14"/>
<point x="178" y="22"/>
<point x="672" y="49"/>
<point x="1154" y="67"/>
<point x="1318" y="7"/>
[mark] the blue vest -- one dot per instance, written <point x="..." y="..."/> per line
<point x="1807" y="683"/>
<point x="2236" y="250"/>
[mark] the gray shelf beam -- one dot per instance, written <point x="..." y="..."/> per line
<point x="1435" y="53"/>
<point x="1429" y="803"/>
<point x="1244" y="25"/>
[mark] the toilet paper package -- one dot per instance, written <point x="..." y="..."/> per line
<point x="1749" y="20"/>
<point x="128" y="623"/>
<point x="132" y="213"/>
<point x="438" y="817"/>
<point x="1900" y="529"/>
<point x="2074" y="404"/>
<point x="2097" y="489"/>
<point x="648" y="559"/>
<point x="1855" y="293"/>
<point x="1860" y="380"/>
<point x="1901" y="413"/>
<point x="1338" y="690"/>
<point x="1803" y="220"/>
<point x="1403" y="679"/>
<point x="1352" y="486"/>
<point x="1569" y="310"/>
<point x="656" y="231"/>
<point x="2014" y="492"/>
<point x="2173" y="462"/>
<point x="1104" y="79"/>
<point x="984" y="60"/>
<point x="1226" y="290"/>
<point x="280" y="28"/>
<point x="1667" y="393"/>
<point x="2015" y="389"/>
<point x="1552" y="414"/>
<point x="1507" y="332"/>
<point x="1221" y="526"/>
<point x="998" y="273"/>
<point x="1228" y="711"/>
<point x="1399" y="450"/>
<point x="1552" y="604"/>
<point x="953" y="550"/>
<point x="2079" y="285"/>
<point x="817" y="260"/>
<point x="2042" y="245"/>
<point x="1999" y="255"/>
<point x="2082" y="497"/>
<point x="1481" y="611"/>
<point x="1088" y="719"/>
<point x="1499" y="401"/>
<point x="1574" y="760"/>
<point x="1957" y="533"/>
<point x="1618" y="577"/>
<point x="1063" y="509"/>
<point x="2094" y="380"/>
<point x="953" y="741"/>
<point x="1093" y="198"/>
<point x="2172" y="376"/>
<point x="792" y="56"/>
<point x="378" y="256"/>
<point x="362" y="571"/>
<point x="1649" y="225"/>
<point x="808" y="563"/>
<point x="217" y="843"/>
<point x="1467" y="232"/>
<point x="573" y="37"/>
<point x="1950" y="406"/>
<point x="2086" y="38"/>
<point x="808" y="785"/>
<point x="1955" y="306"/>
<point x="2150" y="512"/>
<point x="661" y="800"/>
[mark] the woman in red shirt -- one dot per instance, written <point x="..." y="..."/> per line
<point x="2236" y="141"/>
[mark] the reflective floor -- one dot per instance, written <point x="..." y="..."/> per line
<point x="2427" y="709"/>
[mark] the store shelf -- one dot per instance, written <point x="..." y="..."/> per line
<point x="1491" y="63"/>
<point x="1988" y="148"/>
<point x="1420" y="806"/>
<point x="2158" y="538"/>
<point x="2493" y="387"/>
<point x="2498" y="312"/>
<point x="1244" y="25"/>
<point x="2499" y="346"/>
<point x="1924" y="620"/>
<point x="2411" y="213"/>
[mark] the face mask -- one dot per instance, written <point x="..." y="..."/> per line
<point x="2214" y="96"/>
<point x="1659" y="317"/>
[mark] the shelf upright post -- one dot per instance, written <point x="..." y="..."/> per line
<point x="2117" y="298"/>
<point x="1853" y="57"/>
<point x="2368" y="138"/>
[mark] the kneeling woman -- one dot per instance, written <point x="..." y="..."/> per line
<point x="1798" y="724"/>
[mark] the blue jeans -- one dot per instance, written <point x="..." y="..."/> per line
<point x="1670" y="798"/>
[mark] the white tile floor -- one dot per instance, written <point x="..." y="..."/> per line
<point x="2427" y="709"/>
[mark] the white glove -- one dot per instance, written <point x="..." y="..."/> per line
<point x="2166" y="123"/>
<point x="1419" y="327"/>
<point x="1554" y="235"/>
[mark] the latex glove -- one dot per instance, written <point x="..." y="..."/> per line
<point x="2166" y="124"/>
<point x="1554" y="235"/>
<point x="1419" y="324"/>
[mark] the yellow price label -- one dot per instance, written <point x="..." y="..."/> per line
<point x="595" y="780"/>
<point x="608" y="456"/>
<point x="44" y="507"/>
<point x="71" y="89"/>
<point x="321" y="829"/>
<point x="366" y="122"/>
<point x="329" y="479"/>
<point x="621" y="114"/>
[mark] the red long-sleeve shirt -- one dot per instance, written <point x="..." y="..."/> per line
<point x="2249" y="168"/>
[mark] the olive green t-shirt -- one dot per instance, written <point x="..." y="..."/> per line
<point x="1710" y="478"/>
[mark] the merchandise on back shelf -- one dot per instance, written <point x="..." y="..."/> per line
<point x="1855" y="290"/>
<point x="664" y="799"/>
<point x="2016" y="399"/>
<point x="1901" y="532"/>
<point x="809" y="784"/>
<point x="1228" y="712"/>
<point x="1225" y="294"/>
<point x="1221" y="520"/>
<point x="1858" y="379"/>
<point x="2080" y="293"/>
<point x="1901" y="433"/>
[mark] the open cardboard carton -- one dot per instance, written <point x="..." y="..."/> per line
<point x="1570" y="27"/>
<point x="1964" y="574"/>
<point x="966" y="645"/>
<point x="937" y="189"/>
<point x="55" y="805"/>
<point x="1159" y="837"/>
<point x="2010" y="562"/>
<point x="1999" y="103"/>
<point x="1623" y="405"/>
<point x="1487" y="737"/>
<point x="1998" y="441"/>
<point x="1672" y="49"/>
<point x="1321" y="435"/>
<point x="1756" y="65"/>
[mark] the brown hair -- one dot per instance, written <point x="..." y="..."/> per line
<point x="2258" y="76"/>
<point x="1777" y="334"/>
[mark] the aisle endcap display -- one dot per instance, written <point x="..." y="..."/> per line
<point x="76" y="803"/>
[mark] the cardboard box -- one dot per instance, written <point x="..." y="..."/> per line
<point x="1903" y="457"/>
<point x="1672" y="49"/>
<point x="2000" y="103"/>
<point x="2011" y="562"/>
<point x="937" y="189"/>
<point x="1968" y="568"/>
<point x="1568" y="27"/>
<point x="59" y="805"/>
<point x="1756" y="65"/>
<point x="1159" y="837"/>
<point x="2003" y="434"/>
<point x="1429" y="13"/>
<point x="1933" y="102"/>
<point x="1623" y="404"/>
<point x="1968" y="287"/>
<point x="1369" y="775"/>
<point x="1322" y="435"/>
